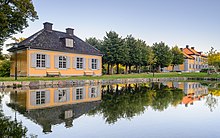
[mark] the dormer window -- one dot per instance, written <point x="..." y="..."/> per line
<point x="69" y="42"/>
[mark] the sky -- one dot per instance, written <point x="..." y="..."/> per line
<point x="176" y="22"/>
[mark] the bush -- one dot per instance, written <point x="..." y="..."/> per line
<point x="206" y="70"/>
<point x="5" y="68"/>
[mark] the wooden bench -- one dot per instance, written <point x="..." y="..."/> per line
<point x="88" y="73"/>
<point x="53" y="73"/>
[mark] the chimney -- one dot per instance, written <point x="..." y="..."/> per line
<point x="187" y="46"/>
<point x="192" y="48"/>
<point x="48" y="26"/>
<point x="70" y="31"/>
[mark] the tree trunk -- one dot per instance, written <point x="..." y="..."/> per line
<point x="108" y="69"/>
<point x="126" y="69"/>
<point x="136" y="67"/>
<point x="117" y="68"/>
<point x="172" y="67"/>
<point x="139" y="69"/>
<point x="111" y="70"/>
<point x="129" y="69"/>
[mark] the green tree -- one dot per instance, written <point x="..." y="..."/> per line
<point x="129" y="44"/>
<point x="113" y="48"/>
<point x="95" y="42"/>
<point x="14" y="15"/>
<point x="162" y="55"/>
<point x="178" y="57"/>
<point x="214" y="58"/>
<point x="5" y="68"/>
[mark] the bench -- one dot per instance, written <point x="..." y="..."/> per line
<point x="53" y="73"/>
<point x="88" y="73"/>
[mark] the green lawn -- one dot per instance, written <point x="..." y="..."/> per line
<point x="120" y="76"/>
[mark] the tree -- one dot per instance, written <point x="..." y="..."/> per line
<point x="113" y="47"/>
<point x="214" y="58"/>
<point x="5" y="68"/>
<point x="177" y="56"/>
<point x="129" y="44"/>
<point x="95" y="42"/>
<point x="14" y="15"/>
<point x="162" y="55"/>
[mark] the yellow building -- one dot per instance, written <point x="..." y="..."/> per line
<point x="52" y="106"/>
<point x="194" y="61"/>
<point x="51" y="52"/>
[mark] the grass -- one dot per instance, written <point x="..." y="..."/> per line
<point x="119" y="76"/>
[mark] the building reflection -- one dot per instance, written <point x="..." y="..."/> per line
<point x="194" y="91"/>
<point x="51" y="106"/>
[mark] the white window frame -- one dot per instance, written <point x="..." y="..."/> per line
<point x="69" y="42"/>
<point x="79" y="93"/>
<point x="40" y="61"/>
<point x="40" y="97"/>
<point x="79" y="63"/>
<point x="62" y="62"/>
<point x="94" y="64"/>
<point x="62" y="95"/>
<point x="94" y="92"/>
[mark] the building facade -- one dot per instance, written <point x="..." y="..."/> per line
<point x="194" y="61"/>
<point x="51" y="52"/>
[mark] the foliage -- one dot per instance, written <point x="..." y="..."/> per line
<point x="11" y="128"/>
<point x="5" y="68"/>
<point x="95" y="42"/>
<point x="214" y="58"/>
<point x="177" y="56"/>
<point x="131" y="100"/>
<point x="162" y="55"/>
<point x="14" y="15"/>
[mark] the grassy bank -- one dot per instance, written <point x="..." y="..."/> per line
<point x="120" y="76"/>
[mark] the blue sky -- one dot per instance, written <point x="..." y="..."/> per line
<point x="175" y="22"/>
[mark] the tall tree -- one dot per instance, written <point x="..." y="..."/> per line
<point x="113" y="47"/>
<point x="95" y="42"/>
<point x="214" y="58"/>
<point x="130" y="44"/>
<point x="178" y="57"/>
<point x="14" y="15"/>
<point x="162" y="55"/>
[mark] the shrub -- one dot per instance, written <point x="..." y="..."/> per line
<point x="5" y="68"/>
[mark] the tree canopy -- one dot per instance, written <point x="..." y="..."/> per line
<point x="214" y="58"/>
<point x="14" y="15"/>
<point x="162" y="54"/>
<point x="177" y="56"/>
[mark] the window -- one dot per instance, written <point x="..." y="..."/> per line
<point x="94" y="63"/>
<point x="93" y="93"/>
<point x="79" y="93"/>
<point x="62" y="95"/>
<point x="40" y="60"/>
<point x="40" y="97"/>
<point x="62" y="62"/>
<point x="79" y="63"/>
<point x="69" y="42"/>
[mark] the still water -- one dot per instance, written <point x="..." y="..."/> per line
<point x="147" y="110"/>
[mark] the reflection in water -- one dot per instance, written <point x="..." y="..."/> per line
<point x="9" y="127"/>
<point x="52" y="106"/>
<point x="127" y="101"/>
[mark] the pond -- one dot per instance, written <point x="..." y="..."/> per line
<point x="152" y="110"/>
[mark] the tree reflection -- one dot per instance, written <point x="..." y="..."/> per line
<point x="10" y="128"/>
<point x="132" y="100"/>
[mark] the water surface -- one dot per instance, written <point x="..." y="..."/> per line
<point x="163" y="110"/>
